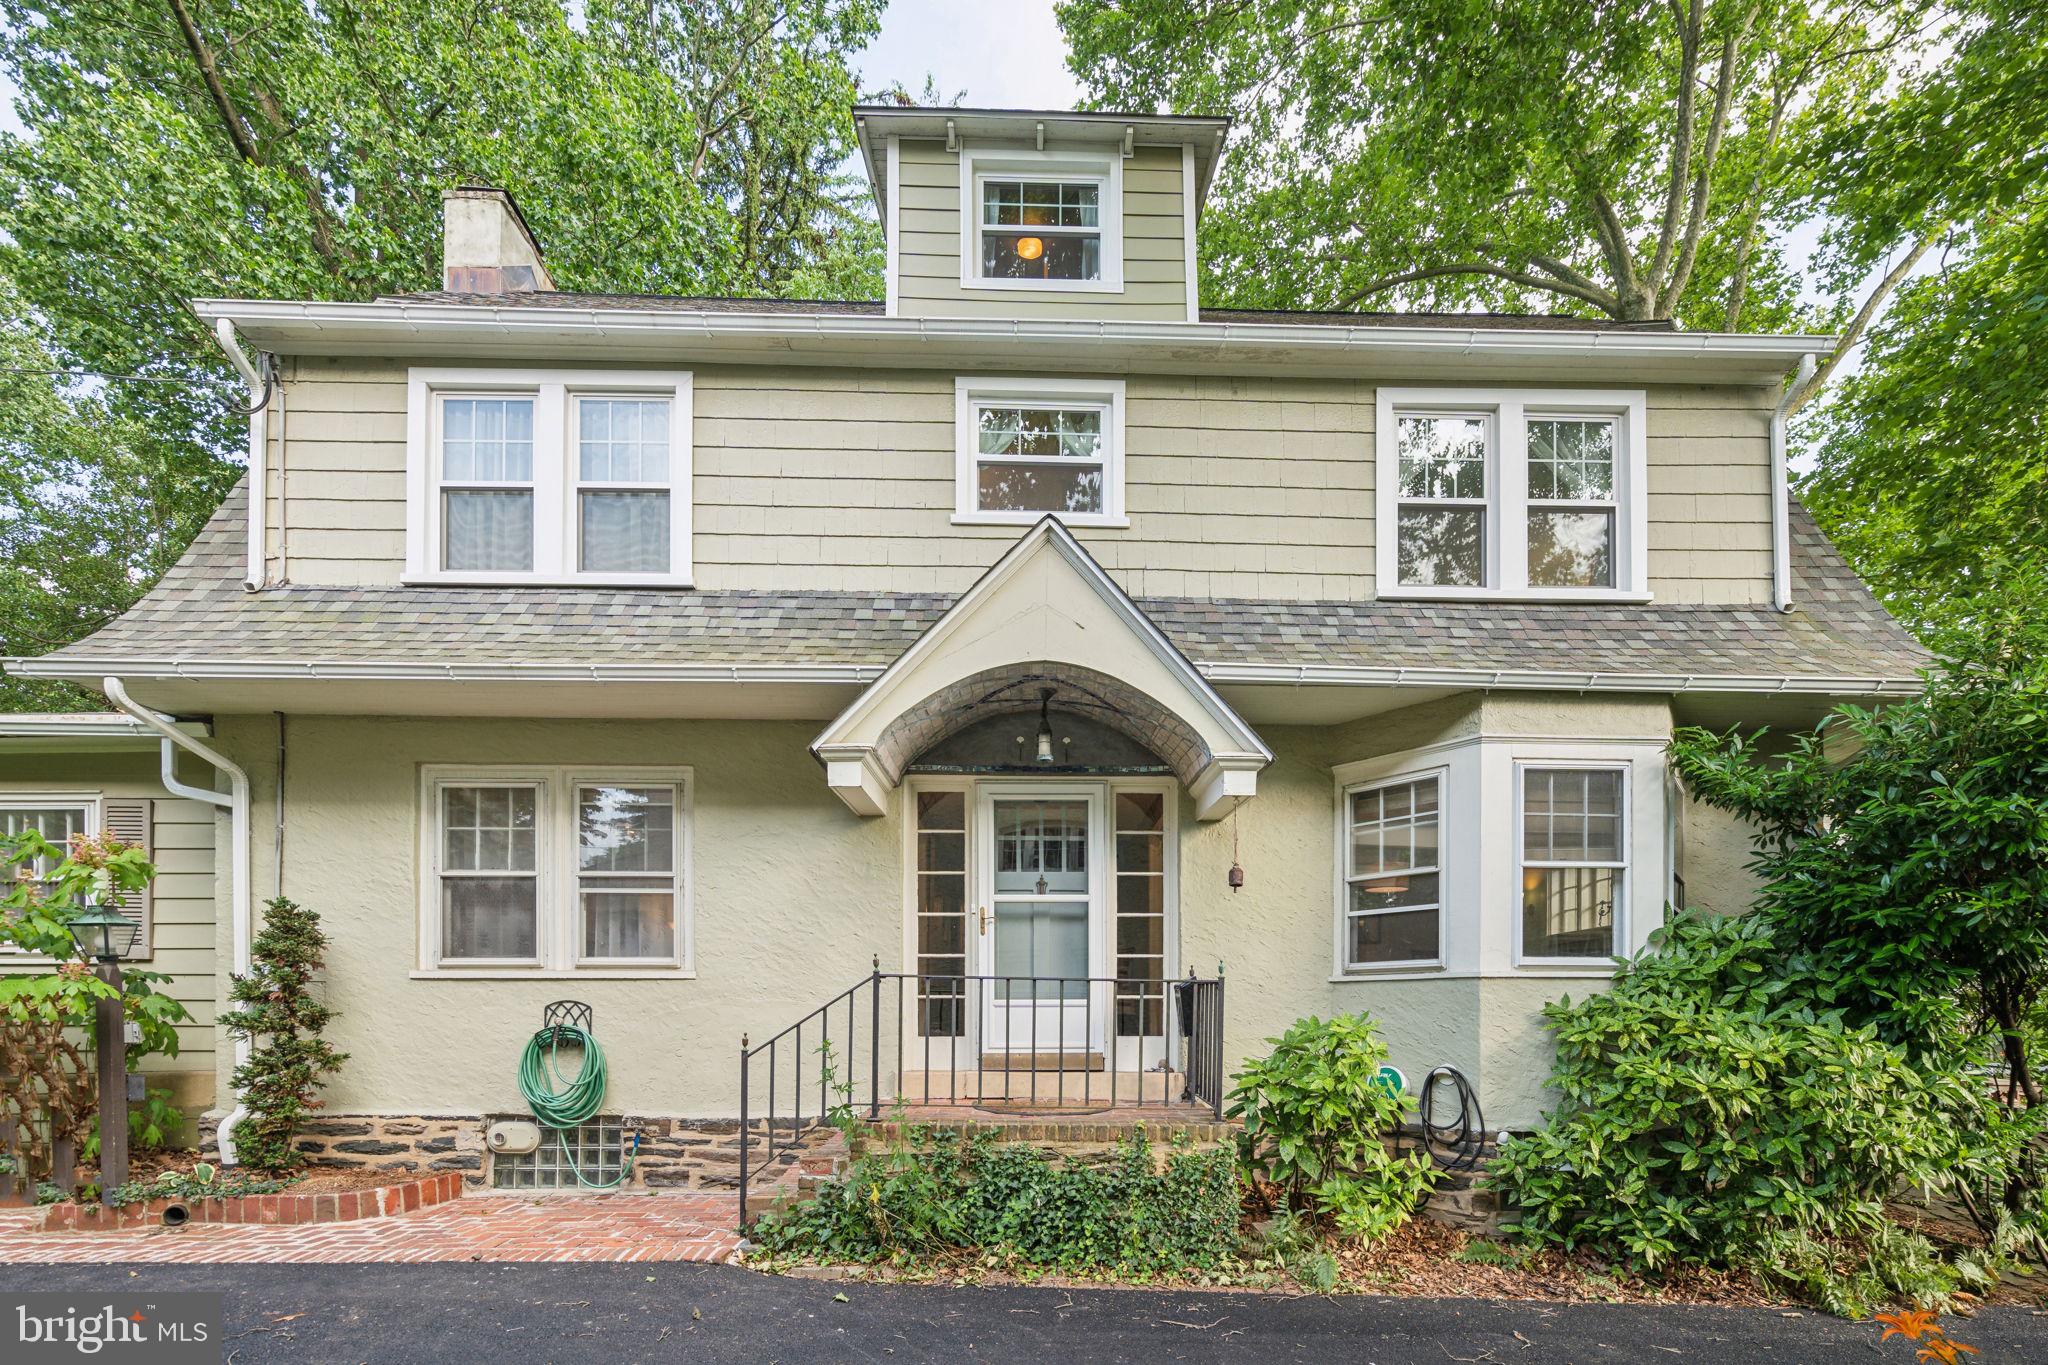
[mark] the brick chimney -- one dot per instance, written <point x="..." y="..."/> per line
<point x="486" y="247"/>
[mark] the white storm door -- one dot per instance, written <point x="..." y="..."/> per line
<point x="1039" y="927"/>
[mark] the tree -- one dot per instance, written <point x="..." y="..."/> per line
<point x="1904" y="851"/>
<point x="273" y="149"/>
<point x="1639" y="160"/>
<point x="276" y="1011"/>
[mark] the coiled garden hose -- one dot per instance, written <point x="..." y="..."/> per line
<point x="1456" y="1145"/>
<point x="563" y="1102"/>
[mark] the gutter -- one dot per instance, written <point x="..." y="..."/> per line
<point x="334" y="320"/>
<point x="1224" y="674"/>
<point x="259" y="450"/>
<point x="1781" y="490"/>
<point x="236" y="803"/>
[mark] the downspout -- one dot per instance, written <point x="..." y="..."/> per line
<point x="236" y="803"/>
<point x="259" y="452"/>
<point x="1781" y="490"/>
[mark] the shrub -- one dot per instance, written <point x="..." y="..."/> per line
<point x="940" y="1194"/>
<point x="1316" y="1115"/>
<point x="1712" y="1110"/>
<point x="282" y="1019"/>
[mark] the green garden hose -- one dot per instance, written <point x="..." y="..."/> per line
<point x="562" y="1102"/>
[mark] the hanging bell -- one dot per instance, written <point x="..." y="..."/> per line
<point x="1236" y="877"/>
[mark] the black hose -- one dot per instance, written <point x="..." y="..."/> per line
<point x="1456" y="1145"/>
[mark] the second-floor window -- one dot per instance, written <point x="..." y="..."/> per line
<point x="1512" y="493"/>
<point x="549" y="477"/>
<point x="1041" y="229"/>
<point x="1029" y="447"/>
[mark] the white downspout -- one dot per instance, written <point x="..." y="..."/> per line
<point x="1781" y="491"/>
<point x="259" y="452"/>
<point x="236" y="803"/>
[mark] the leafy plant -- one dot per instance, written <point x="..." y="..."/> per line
<point x="1715" y="1108"/>
<point x="47" y="1086"/>
<point x="1317" y="1113"/>
<point x="181" y="1185"/>
<point x="940" y="1194"/>
<point x="280" y="1017"/>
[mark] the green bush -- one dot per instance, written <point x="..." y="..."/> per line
<point x="1316" y="1115"/>
<point x="288" y="1060"/>
<point x="938" y="1195"/>
<point x="1712" y="1110"/>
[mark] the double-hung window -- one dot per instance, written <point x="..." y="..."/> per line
<point x="1393" y="873"/>
<point x="555" y="869"/>
<point x="1574" y="861"/>
<point x="56" y="821"/>
<point x="1518" y="492"/>
<point x="1046" y="220"/>
<point x="1028" y="448"/>
<point x="549" y="476"/>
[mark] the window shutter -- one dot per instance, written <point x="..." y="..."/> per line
<point x="128" y="819"/>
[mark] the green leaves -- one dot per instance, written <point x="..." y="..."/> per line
<point x="276" y="1010"/>
<point x="1316" y="1115"/>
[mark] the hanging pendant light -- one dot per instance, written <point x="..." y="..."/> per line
<point x="1045" y="727"/>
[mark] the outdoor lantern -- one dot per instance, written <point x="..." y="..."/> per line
<point x="1030" y="248"/>
<point x="103" y="934"/>
<point x="1045" y="726"/>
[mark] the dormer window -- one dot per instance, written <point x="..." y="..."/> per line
<point x="1512" y="493"/>
<point x="1041" y="220"/>
<point x="1041" y="229"/>
<point x="548" y="476"/>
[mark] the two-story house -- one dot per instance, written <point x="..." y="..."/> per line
<point x="1018" y="644"/>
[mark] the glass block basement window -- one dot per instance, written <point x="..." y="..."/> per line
<point x="597" y="1147"/>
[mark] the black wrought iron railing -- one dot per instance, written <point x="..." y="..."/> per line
<point x="1038" y="1044"/>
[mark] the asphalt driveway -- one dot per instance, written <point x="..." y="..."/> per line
<point x="671" y="1312"/>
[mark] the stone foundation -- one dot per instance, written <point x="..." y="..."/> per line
<point x="675" y="1153"/>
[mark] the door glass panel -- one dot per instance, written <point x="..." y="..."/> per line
<point x="1041" y="846"/>
<point x="1047" y="940"/>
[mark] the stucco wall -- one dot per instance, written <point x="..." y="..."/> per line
<point x="928" y="252"/>
<point x="793" y="897"/>
<point x="1251" y="488"/>
<point x="182" y="911"/>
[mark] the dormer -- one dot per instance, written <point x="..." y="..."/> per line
<point x="1018" y="214"/>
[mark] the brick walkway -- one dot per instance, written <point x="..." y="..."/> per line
<point x="476" y="1227"/>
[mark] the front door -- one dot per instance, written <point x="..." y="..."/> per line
<point x="1039" y="924"/>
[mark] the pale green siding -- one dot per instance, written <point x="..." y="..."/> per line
<point x="929" y="245"/>
<point x="1246" y="488"/>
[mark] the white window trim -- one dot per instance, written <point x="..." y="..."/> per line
<point x="968" y="392"/>
<point x="556" y="469"/>
<point x="89" y="802"/>
<point x="1346" y="874"/>
<point x="558" y="934"/>
<point x="1622" y="935"/>
<point x="1104" y="167"/>
<point x="1507" y="482"/>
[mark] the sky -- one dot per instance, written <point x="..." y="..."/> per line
<point x="1005" y="54"/>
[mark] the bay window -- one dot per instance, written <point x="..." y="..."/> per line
<point x="548" y="476"/>
<point x="1393" y="873"/>
<point x="1574" y="861"/>
<point x="548" y="870"/>
<point x="1513" y="493"/>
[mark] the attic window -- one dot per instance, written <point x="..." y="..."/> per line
<point x="1041" y="229"/>
<point x="1041" y="220"/>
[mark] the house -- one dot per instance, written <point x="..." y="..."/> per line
<point x="1018" y="645"/>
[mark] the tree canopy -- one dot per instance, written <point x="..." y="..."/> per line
<point x="268" y="148"/>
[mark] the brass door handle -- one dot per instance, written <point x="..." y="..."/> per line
<point x="984" y="919"/>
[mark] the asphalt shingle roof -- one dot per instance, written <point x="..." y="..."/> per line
<point x="199" y="611"/>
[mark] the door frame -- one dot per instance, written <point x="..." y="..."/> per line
<point x="993" y="1015"/>
<point x="1103" y="935"/>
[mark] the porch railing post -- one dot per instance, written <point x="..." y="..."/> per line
<point x="875" y="1041"/>
<point x="745" y="1135"/>
<point x="1215" y="1058"/>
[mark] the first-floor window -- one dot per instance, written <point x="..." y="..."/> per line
<point x="549" y="868"/>
<point x="1574" y="861"/>
<point x="55" y="822"/>
<point x="1393" y="873"/>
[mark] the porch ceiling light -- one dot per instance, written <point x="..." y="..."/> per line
<point x="1045" y="726"/>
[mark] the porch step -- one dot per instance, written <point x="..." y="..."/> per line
<point x="1042" y="1061"/>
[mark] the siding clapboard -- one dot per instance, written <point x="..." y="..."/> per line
<point x="1253" y="487"/>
